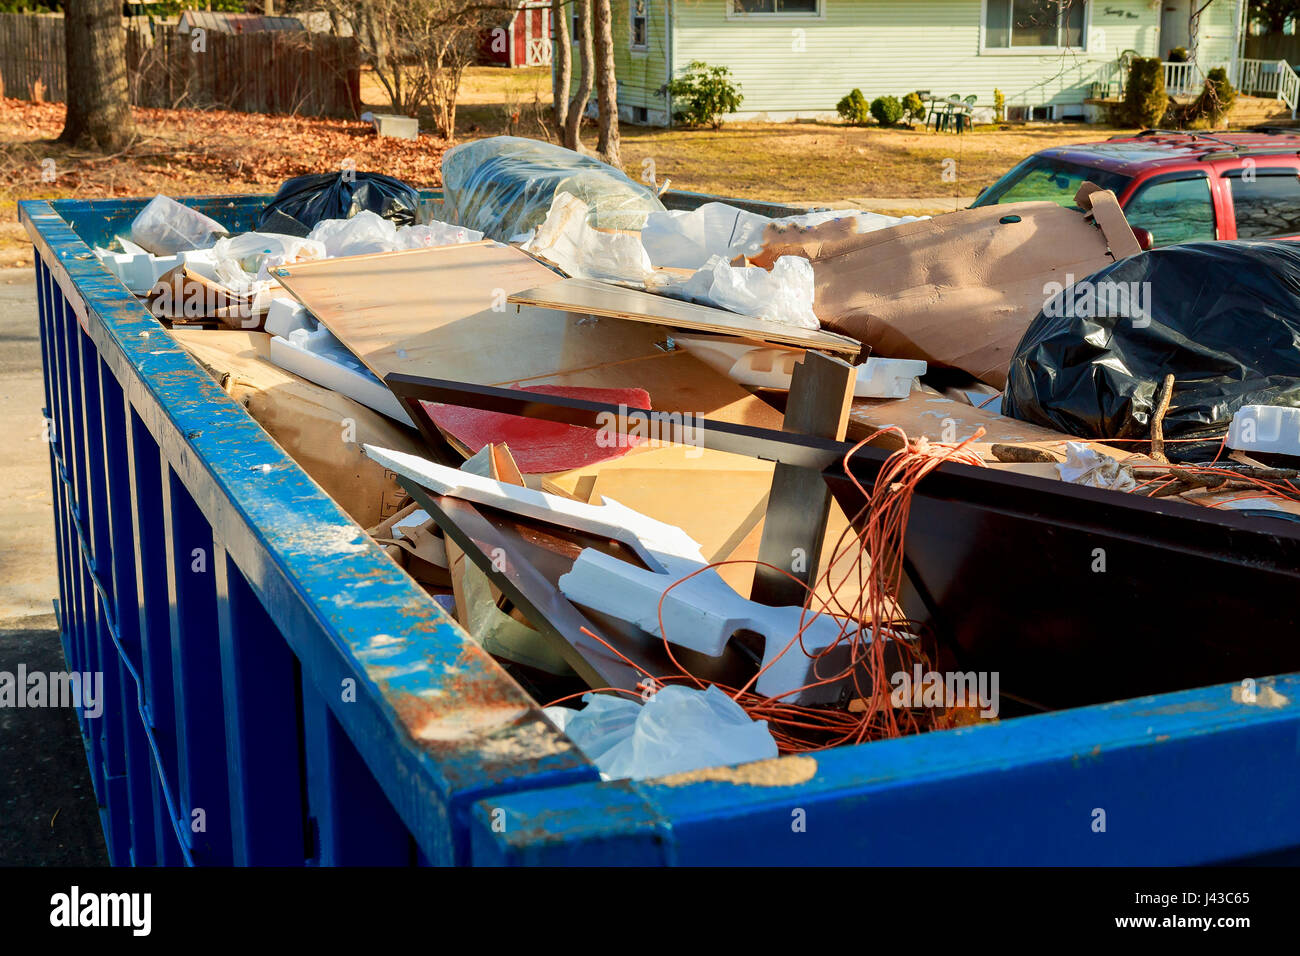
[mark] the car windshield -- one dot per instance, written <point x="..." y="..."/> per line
<point x="1041" y="178"/>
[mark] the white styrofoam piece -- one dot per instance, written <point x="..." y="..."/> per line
<point x="286" y="315"/>
<point x="323" y="370"/>
<point x="760" y="366"/>
<point x="1266" y="428"/>
<point x="140" y="271"/>
<point x="643" y="534"/>
<point x="701" y="613"/>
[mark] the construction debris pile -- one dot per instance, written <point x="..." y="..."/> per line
<point x="662" y="464"/>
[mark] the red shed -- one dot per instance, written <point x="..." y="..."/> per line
<point x="526" y="41"/>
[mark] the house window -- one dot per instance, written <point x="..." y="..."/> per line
<point x="639" y="11"/>
<point x="789" y="8"/>
<point x="1056" y="24"/>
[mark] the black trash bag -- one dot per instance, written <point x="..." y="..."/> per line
<point x="303" y="201"/>
<point x="1222" y="317"/>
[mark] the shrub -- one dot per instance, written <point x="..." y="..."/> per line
<point x="914" y="107"/>
<point x="1179" y="54"/>
<point x="1145" y="100"/>
<point x="887" y="110"/>
<point x="1210" y="106"/>
<point x="853" y="108"/>
<point x="1000" y="105"/>
<point x="706" y="92"/>
<point x="1216" y="98"/>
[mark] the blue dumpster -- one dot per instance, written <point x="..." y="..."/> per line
<point x="279" y="692"/>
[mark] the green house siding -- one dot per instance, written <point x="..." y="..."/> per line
<point x="804" y="65"/>
<point x="641" y="73"/>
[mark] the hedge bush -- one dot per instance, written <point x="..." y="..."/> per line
<point x="853" y="108"/>
<point x="887" y="110"/>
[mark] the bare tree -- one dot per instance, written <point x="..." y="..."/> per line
<point x="99" y="107"/>
<point x="419" y="49"/>
<point x="607" y="145"/>
<point x="578" y="105"/>
<point x="562" y="70"/>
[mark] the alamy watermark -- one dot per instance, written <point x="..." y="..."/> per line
<point x="1105" y="299"/>
<point x="950" y="689"/>
<point x="632" y="427"/>
<point x="84" y="691"/>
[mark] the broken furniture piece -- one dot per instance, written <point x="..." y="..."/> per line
<point x="701" y="613"/>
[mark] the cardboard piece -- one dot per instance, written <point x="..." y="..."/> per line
<point x="184" y="295"/>
<point x="321" y="430"/>
<point x="957" y="291"/>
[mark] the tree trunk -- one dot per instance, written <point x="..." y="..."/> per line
<point x="578" y="105"/>
<point x="562" y="70"/>
<point x="99" y="104"/>
<point x="606" y="86"/>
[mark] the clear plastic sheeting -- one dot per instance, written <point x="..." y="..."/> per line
<point x="675" y="730"/>
<point x="566" y="239"/>
<point x="783" y="295"/>
<point x="367" y="232"/>
<point x="504" y="186"/>
<point x="166" y="227"/>
<point x="687" y="240"/>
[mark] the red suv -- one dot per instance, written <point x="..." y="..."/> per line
<point x="1179" y="187"/>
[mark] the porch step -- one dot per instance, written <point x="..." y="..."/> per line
<point x="1254" y="110"/>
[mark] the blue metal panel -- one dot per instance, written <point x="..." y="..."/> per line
<point x="264" y="759"/>
<point x="196" y="676"/>
<point x="1193" y="777"/>
<point x="429" y="723"/>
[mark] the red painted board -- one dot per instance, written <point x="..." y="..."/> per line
<point x="541" y="447"/>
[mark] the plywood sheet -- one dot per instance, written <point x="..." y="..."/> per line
<point x="600" y="298"/>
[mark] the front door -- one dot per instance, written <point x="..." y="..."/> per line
<point x="1175" y="26"/>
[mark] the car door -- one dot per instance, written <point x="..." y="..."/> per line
<point x="1175" y="207"/>
<point x="1263" y="195"/>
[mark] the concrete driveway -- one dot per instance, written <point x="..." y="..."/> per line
<point x="47" y="805"/>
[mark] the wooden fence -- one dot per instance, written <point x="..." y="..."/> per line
<point x="1274" y="46"/>
<point x="267" y="72"/>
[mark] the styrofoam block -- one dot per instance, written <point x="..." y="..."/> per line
<point x="287" y="315"/>
<point x="651" y="539"/>
<point x="701" y="613"/>
<point x="1266" y="428"/>
<point x="360" y="386"/>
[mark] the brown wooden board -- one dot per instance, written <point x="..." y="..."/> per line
<point x="440" y="312"/>
<point x="589" y="297"/>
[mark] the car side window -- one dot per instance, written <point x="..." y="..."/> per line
<point x="1174" y="211"/>
<point x="1267" y="203"/>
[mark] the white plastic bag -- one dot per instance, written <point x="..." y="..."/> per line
<point x="784" y="295"/>
<point x="166" y="227"/>
<point x="687" y="240"/>
<point x="676" y="730"/>
<point x="567" y="240"/>
<point x="254" y="254"/>
<point x="368" y="232"/>
<point x="364" y="233"/>
<point x="435" y="233"/>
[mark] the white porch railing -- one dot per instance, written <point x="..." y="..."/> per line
<point x="1288" y="86"/>
<point x="1258" y="77"/>
<point x="1183" y="79"/>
